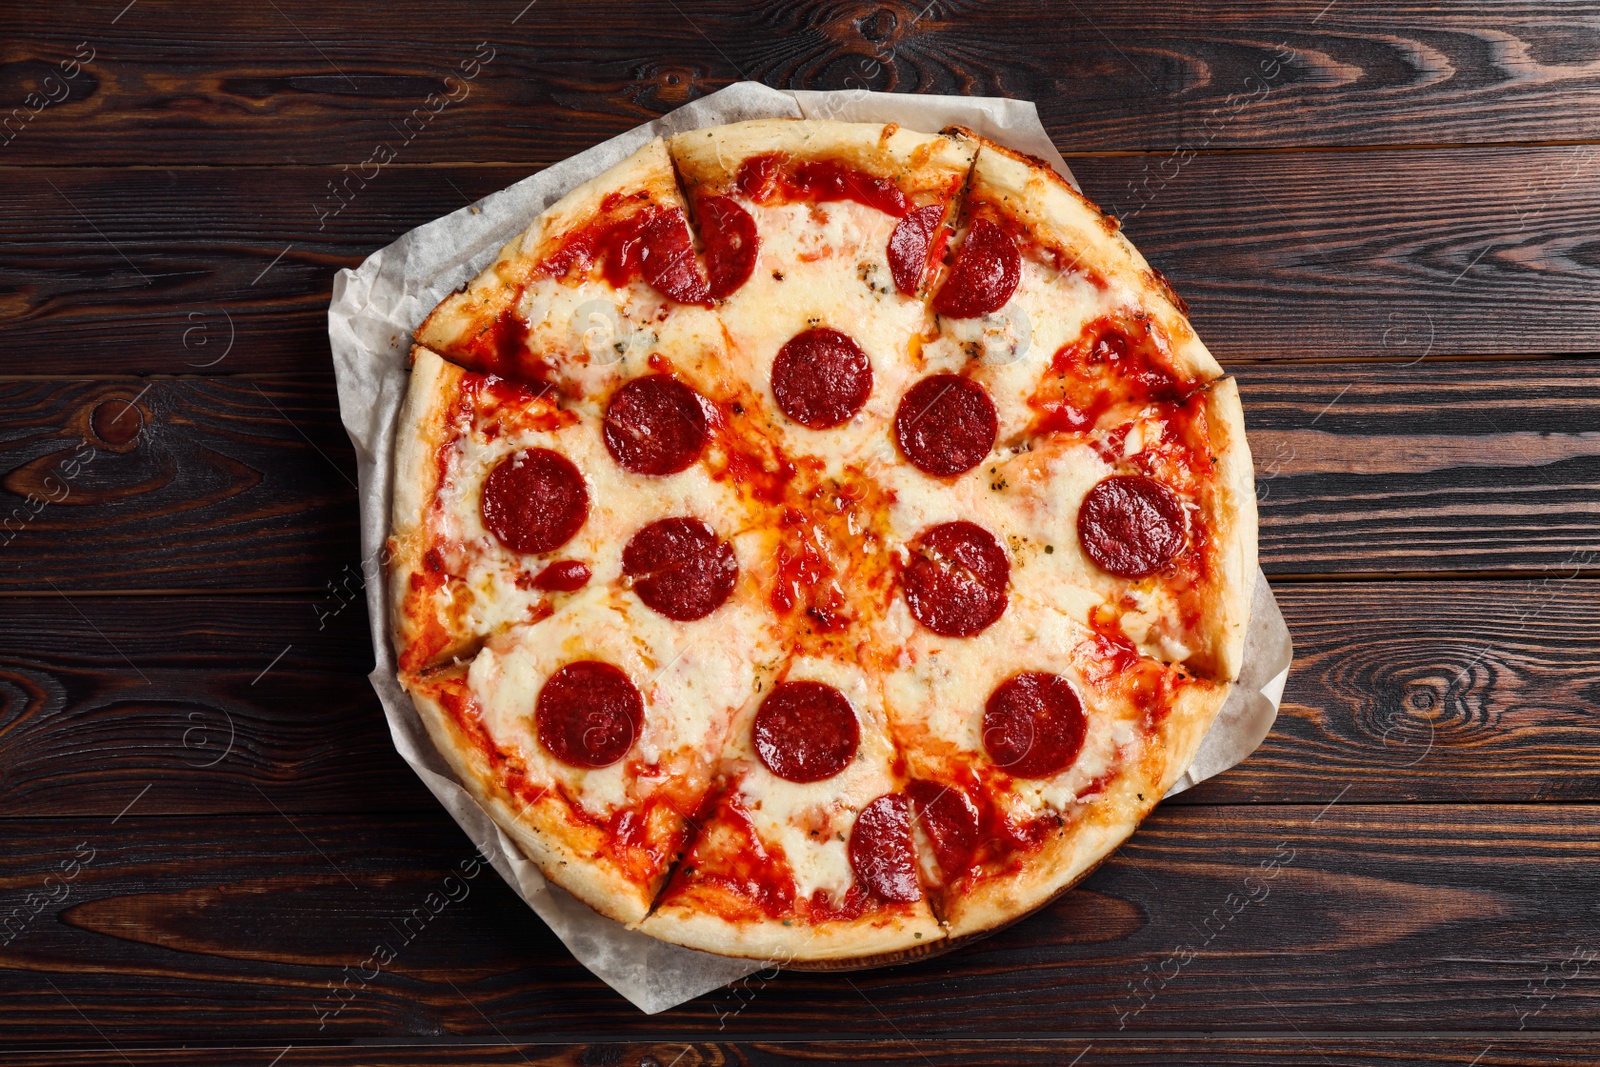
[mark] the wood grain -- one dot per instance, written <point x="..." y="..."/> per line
<point x="1403" y="691"/>
<point x="238" y="483"/>
<point x="1209" y="1050"/>
<point x="1374" y="255"/>
<point x="197" y="271"/>
<point x="297" y="82"/>
<point x="1371" y="255"/>
<point x="1425" y="468"/>
<point x="1366" y="918"/>
<point x="1411" y="691"/>
<point x="216" y="704"/>
<point x="223" y="483"/>
<point x="1405" y="872"/>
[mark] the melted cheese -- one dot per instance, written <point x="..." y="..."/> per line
<point x="811" y="821"/>
<point x="1010" y="349"/>
<point x="826" y="265"/>
<point x="936" y="697"/>
<point x="597" y="336"/>
<point x="620" y="503"/>
<point x="1041" y="493"/>
<point x="693" y="677"/>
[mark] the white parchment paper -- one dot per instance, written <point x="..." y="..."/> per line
<point x="376" y="306"/>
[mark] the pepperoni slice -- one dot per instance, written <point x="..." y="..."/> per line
<point x="956" y="583"/>
<point x="669" y="262"/>
<point x="950" y="819"/>
<point x="534" y="501"/>
<point x="946" y="425"/>
<point x="563" y="576"/>
<point x="881" y="853"/>
<point x="821" y="378"/>
<point x="731" y="243"/>
<point x="1131" y="525"/>
<point x="655" y="425"/>
<point x="806" y="731"/>
<point x="588" y="714"/>
<point x="1033" y="725"/>
<point x="984" y="276"/>
<point x="680" y="568"/>
<point x="909" y="244"/>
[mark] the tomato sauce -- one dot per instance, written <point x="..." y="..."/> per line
<point x="776" y="178"/>
<point x="1118" y="360"/>
<point x="750" y="878"/>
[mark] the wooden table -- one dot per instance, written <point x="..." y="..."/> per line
<point x="1384" y="216"/>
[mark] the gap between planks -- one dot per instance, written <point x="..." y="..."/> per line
<point x="1110" y="153"/>
<point x="1317" y="804"/>
<point x="1297" y="361"/>
<point x="563" y="1039"/>
<point x="1292" y="578"/>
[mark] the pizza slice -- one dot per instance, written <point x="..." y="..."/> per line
<point x="593" y="734"/>
<point x="1036" y="268"/>
<point x="806" y="852"/>
<point x="1034" y="748"/>
<point x="509" y="502"/>
<point x="820" y="239"/>
<point x="604" y="277"/>
<point x="1067" y="379"/>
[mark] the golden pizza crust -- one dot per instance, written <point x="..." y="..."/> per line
<point x="916" y="162"/>
<point x="1229" y="504"/>
<point x="897" y="930"/>
<point x="419" y="435"/>
<point x="463" y="315"/>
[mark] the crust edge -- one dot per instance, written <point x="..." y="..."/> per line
<point x="419" y="435"/>
<point x="1235" y="526"/>
<point x="703" y="156"/>
<point x="835" y="942"/>
<point x="603" y="890"/>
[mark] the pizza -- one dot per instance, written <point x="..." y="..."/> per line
<point x="819" y="542"/>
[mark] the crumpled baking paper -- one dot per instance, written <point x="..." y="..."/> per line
<point x="376" y="306"/>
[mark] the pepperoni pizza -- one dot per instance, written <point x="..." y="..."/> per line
<point x="817" y="541"/>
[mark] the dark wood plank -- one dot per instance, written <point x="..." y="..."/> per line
<point x="1444" y="918"/>
<point x="1426" y="468"/>
<point x="1363" y="255"/>
<point x="213" y="271"/>
<point x="226" y="483"/>
<point x="242" y="484"/>
<point x="1411" y="691"/>
<point x="1207" y="1050"/>
<point x="1390" y="255"/>
<point x="305" y="83"/>
<point x="212" y="703"/>
<point x="1401" y="691"/>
